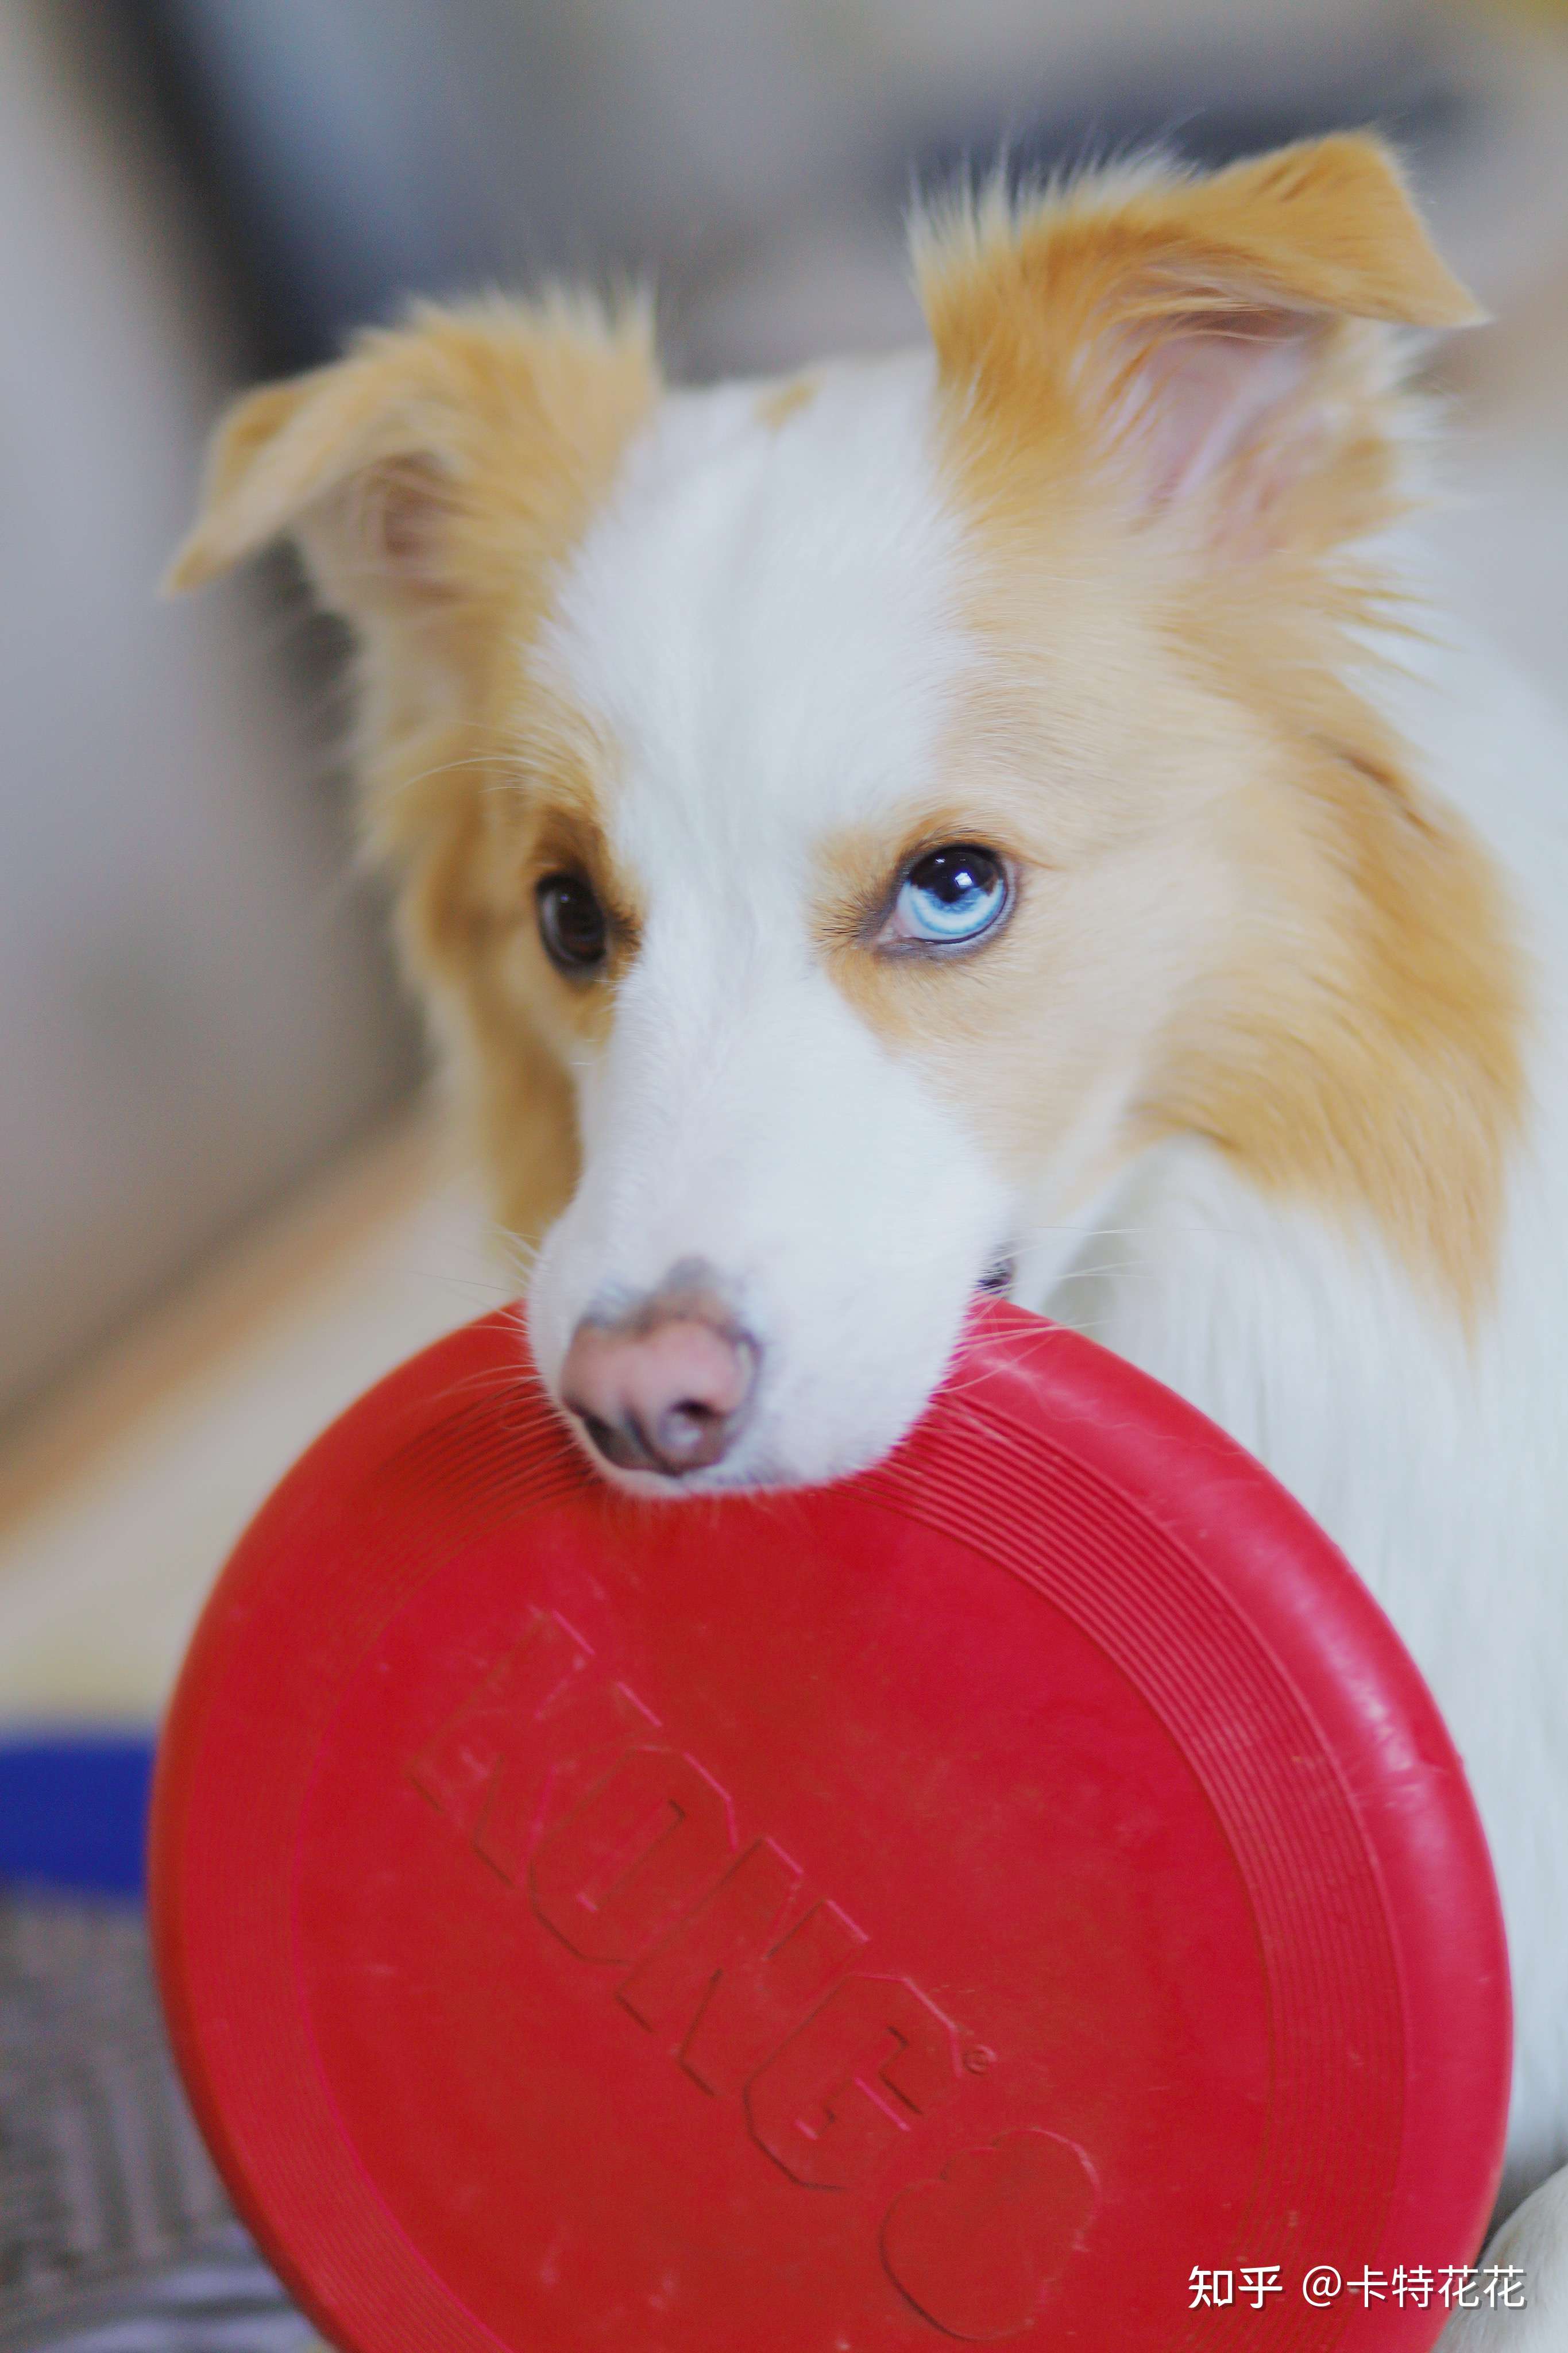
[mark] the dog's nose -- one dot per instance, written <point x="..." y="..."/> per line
<point x="663" y="1388"/>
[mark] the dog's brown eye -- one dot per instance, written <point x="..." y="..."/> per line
<point x="571" y="923"/>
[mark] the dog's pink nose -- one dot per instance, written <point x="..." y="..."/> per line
<point x="664" y="1388"/>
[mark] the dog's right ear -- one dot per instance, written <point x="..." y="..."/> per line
<point x="436" y="462"/>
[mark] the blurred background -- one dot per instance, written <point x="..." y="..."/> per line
<point x="224" y="1205"/>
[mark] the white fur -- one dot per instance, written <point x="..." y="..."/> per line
<point x="761" y="619"/>
<point x="767" y="622"/>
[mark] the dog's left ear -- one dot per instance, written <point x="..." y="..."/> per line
<point x="1207" y="344"/>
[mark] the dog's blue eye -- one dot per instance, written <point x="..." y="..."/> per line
<point x="950" y="895"/>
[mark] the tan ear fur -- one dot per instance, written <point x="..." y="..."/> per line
<point x="1203" y="332"/>
<point x="1327" y="224"/>
<point x="405" y="467"/>
<point x="278" y="451"/>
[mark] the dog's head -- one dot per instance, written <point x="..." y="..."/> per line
<point x="842" y="821"/>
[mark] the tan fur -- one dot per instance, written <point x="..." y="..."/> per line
<point x="437" y="478"/>
<point x="1245" y="842"/>
<point x="1016" y="298"/>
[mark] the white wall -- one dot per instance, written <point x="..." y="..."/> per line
<point x="192" y="1009"/>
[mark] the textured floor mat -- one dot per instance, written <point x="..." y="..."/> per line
<point x="115" y="2235"/>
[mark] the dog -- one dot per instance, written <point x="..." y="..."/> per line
<point x="1004" y="816"/>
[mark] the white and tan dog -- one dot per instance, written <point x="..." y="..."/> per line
<point x="1003" y="814"/>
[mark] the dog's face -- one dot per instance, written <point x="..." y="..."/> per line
<point x="844" y="822"/>
<point x="833" y="912"/>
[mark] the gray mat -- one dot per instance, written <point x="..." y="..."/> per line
<point x="115" y="2234"/>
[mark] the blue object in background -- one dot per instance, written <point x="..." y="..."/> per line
<point x="73" y="1810"/>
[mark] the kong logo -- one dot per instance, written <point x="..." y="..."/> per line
<point x="628" y="1851"/>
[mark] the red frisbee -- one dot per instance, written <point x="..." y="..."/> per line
<point x="1023" y="1893"/>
